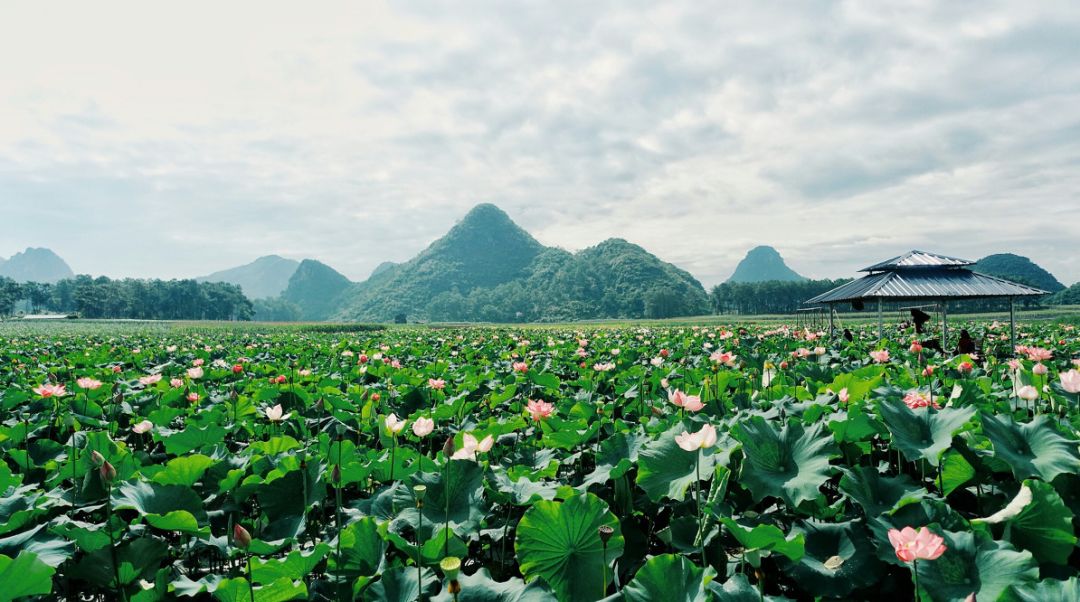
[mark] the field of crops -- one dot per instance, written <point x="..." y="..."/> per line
<point x="638" y="462"/>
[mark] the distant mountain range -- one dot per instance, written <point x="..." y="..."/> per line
<point x="762" y="264"/>
<point x="487" y="268"/>
<point x="35" y="265"/>
<point x="267" y="276"/>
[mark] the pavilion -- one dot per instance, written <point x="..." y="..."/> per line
<point x="921" y="276"/>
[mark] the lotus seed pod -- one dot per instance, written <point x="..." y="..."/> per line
<point x="605" y="533"/>
<point x="419" y="491"/>
<point x="451" y="566"/>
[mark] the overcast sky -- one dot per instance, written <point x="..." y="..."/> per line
<point x="176" y="139"/>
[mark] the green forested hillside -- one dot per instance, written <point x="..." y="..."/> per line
<point x="314" y="288"/>
<point x="488" y="268"/>
<point x="1018" y="269"/>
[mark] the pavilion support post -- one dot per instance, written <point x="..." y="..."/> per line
<point x="880" y="320"/>
<point x="944" y="325"/>
<point x="831" y="321"/>
<point x="1012" y="321"/>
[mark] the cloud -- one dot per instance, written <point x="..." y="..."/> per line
<point x="175" y="141"/>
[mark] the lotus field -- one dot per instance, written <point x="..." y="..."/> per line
<point x="562" y="463"/>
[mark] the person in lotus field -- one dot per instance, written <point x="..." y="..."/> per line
<point x="965" y="344"/>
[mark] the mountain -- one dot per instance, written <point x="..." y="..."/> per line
<point x="487" y="268"/>
<point x="36" y="265"/>
<point x="1018" y="269"/>
<point x="762" y="264"/>
<point x="314" y="287"/>
<point x="265" y="277"/>
<point x="382" y="267"/>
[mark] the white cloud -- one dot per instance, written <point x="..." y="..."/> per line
<point x="156" y="140"/>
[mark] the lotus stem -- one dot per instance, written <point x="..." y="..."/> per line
<point x="915" y="570"/>
<point x="251" y="582"/>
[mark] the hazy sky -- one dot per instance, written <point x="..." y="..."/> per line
<point x="176" y="139"/>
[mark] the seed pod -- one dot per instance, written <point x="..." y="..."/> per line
<point x="451" y="566"/>
<point x="241" y="537"/>
<point x="419" y="491"/>
<point x="605" y="533"/>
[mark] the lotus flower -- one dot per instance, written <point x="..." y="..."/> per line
<point x="195" y="372"/>
<point x="723" y="357"/>
<point x="911" y="545"/>
<point x="107" y="472"/>
<point x="274" y="414"/>
<point x="88" y="383"/>
<point x="241" y="537"/>
<point x="149" y="379"/>
<point x="604" y="366"/>
<point x="49" y="390"/>
<point x="539" y="409"/>
<point x="1070" y="381"/>
<point x="97" y="458"/>
<point x="819" y="351"/>
<point x="916" y="347"/>
<point x="1039" y="369"/>
<point x="843" y="395"/>
<point x="881" y="356"/>
<point x="690" y="403"/>
<point x="193" y="397"/>
<point x="657" y="361"/>
<point x="142" y="427"/>
<point x="422" y="427"/>
<point x="918" y="399"/>
<point x="1028" y="393"/>
<point x="521" y="367"/>
<point x="703" y="439"/>
<point x="966" y="367"/>
<point x="469" y="447"/>
<point x="1014" y="364"/>
<point x="394" y="424"/>
<point x="436" y="383"/>
<point x="1038" y="354"/>
<point x="176" y="383"/>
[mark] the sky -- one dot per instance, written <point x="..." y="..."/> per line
<point x="176" y="139"/>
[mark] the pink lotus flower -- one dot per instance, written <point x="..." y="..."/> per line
<point x="142" y="427"/>
<point x="195" y="372"/>
<point x="275" y="414"/>
<point x="88" y="383"/>
<point x="395" y="364"/>
<point x="1014" y="364"/>
<point x="539" y="409"/>
<point x="198" y="362"/>
<point x="521" y="367"/>
<point x="193" y="397"/>
<point x="843" y="395"/>
<point x="1038" y="354"/>
<point x="911" y="545"/>
<point x="604" y="366"/>
<point x="881" y="356"/>
<point x="703" y="439"/>
<point x="422" y="427"/>
<point x="149" y="379"/>
<point x="363" y="359"/>
<point x="394" y="424"/>
<point x="918" y="399"/>
<point x="723" y="357"/>
<point x="819" y="351"/>
<point x="801" y="352"/>
<point x="966" y="367"/>
<point x="116" y="369"/>
<point x="107" y="472"/>
<point x="50" y="390"/>
<point x="176" y="383"/>
<point x="241" y="537"/>
<point x="928" y="371"/>
<point x="1027" y="393"/>
<point x="657" y="361"/>
<point x="1070" y="381"/>
<point x="436" y="383"/>
<point x="470" y="446"/>
<point x="916" y="347"/>
<point x="690" y="403"/>
<point x="1039" y="369"/>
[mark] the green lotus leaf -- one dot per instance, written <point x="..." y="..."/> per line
<point x="973" y="563"/>
<point x="1038" y="520"/>
<point x="670" y="577"/>
<point x="667" y="470"/>
<point x="24" y="575"/>
<point x="924" y="433"/>
<point x="1034" y="449"/>
<point x="560" y="542"/>
<point x="839" y="558"/>
<point x="790" y="463"/>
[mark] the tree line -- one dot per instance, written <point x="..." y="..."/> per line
<point x="769" y="297"/>
<point x="129" y="298"/>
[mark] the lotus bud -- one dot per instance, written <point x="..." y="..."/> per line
<point x="107" y="472"/>
<point x="451" y="566"/>
<point x="241" y="537"/>
<point x="97" y="458"/>
<point x="448" y="447"/>
<point x="335" y="475"/>
<point x="605" y="532"/>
